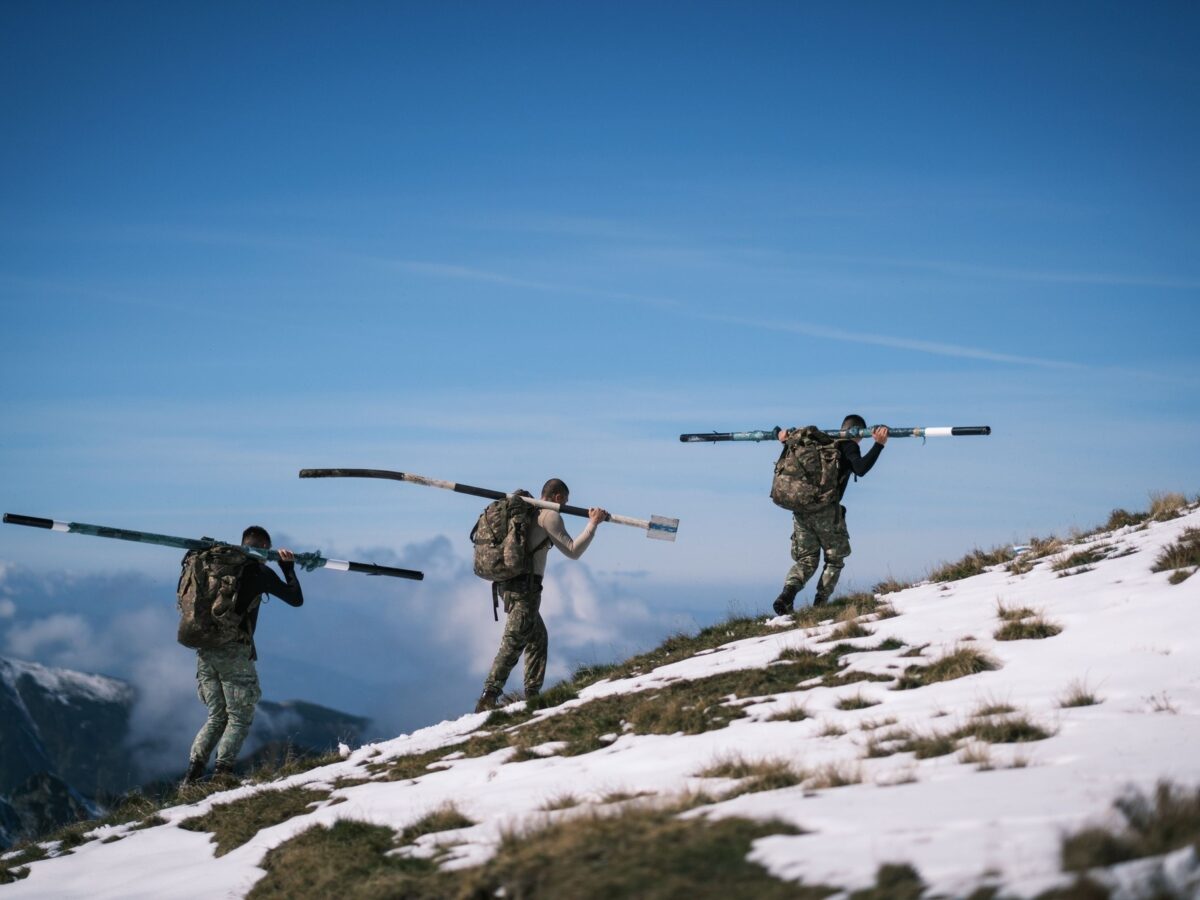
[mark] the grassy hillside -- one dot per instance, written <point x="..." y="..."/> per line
<point x="1018" y="724"/>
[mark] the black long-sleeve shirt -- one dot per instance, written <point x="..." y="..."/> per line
<point x="257" y="580"/>
<point x="854" y="463"/>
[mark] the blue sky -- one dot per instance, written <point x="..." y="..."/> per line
<point x="497" y="242"/>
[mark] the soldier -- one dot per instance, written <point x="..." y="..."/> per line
<point x="825" y="529"/>
<point x="524" y="629"/>
<point x="226" y="679"/>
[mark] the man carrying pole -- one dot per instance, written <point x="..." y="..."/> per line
<point x="524" y="630"/>
<point x="226" y="678"/>
<point x="511" y="545"/>
<point x="821" y="529"/>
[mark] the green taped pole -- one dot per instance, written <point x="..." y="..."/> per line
<point x="772" y="434"/>
<point x="309" y="561"/>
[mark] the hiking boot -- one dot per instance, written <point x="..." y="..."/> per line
<point x="487" y="702"/>
<point x="820" y="600"/>
<point x="783" y="603"/>
<point x="195" y="771"/>
<point x="223" y="776"/>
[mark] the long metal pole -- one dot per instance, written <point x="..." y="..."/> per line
<point x="309" y="561"/>
<point x="773" y="433"/>
<point x="657" y="527"/>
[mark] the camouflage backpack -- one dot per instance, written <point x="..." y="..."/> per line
<point x="208" y="587"/>
<point x="806" y="474"/>
<point x="501" y="539"/>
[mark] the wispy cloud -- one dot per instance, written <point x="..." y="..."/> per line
<point x="468" y="273"/>
<point x="1016" y="273"/>
<point x="899" y="343"/>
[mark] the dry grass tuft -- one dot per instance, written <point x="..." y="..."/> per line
<point x="1012" y="613"/>
<point x="890" y="585"/>
<point x="1036" y="628"/>
<point x="858" y="701"/>
<point x="639" y="850"/>
<point x="977" y="755"/>
<point x="1078" y="694"/>
<point x="1183" y="556"/>
<point x="794" y="713"/>
<point x="1166" y="505"/>
<point x="835" y="775"/>
<point x="1167" y="820"/>
<point x="993" y="709"/>
<point x="561" y="801"/>
<point x="233" y="824"/>
<point x="973" y="563"/>
<point x="755" y="775"/>
<point x="958" y="663"/>
<point x="444" y="818"/>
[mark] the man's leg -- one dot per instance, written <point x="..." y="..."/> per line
<point x="806" y="551"/>
<point x="212" y="695"/>
<point x="536" y="653"/>
<point x="242" y="693"/>
<point x="519" y="627"/>
<point x="835" y="540"/>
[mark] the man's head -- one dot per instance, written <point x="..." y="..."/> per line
<point x="854" y="421"/>
<point x="556" y="491"/>
<point x="256" y="536"/>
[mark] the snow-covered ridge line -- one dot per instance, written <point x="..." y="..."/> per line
<point x="65" y="684"/>
<point x="982" y="814"/>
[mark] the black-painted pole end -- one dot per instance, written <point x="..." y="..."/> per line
<point x="31" y="521"/>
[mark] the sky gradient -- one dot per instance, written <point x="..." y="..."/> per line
<point x="493" y="243"/>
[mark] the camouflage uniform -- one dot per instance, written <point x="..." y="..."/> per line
<point x="227" y="683"/>
<point x="525" y="631"/>
<point x="813" y="532"/>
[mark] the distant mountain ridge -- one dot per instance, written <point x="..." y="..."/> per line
<point x="65" y="742"/>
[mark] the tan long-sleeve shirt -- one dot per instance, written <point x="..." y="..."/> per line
<point x="550" y="525"/>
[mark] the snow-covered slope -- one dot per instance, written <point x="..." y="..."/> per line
<point x="986" y="813"/>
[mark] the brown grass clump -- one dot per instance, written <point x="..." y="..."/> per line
<point x="850" y="630"/>
<point x="640" y="850"/>
<point x="1012" y="613"/>
<point x="834" y="775"/>
<point x="233" y="824"/>
<point x="1082" y="558"/>
<point x="1165" y="505"/>
<point x="1156" y="824"/>
<point x="790" y="714"/>
<point x="1010" y="730"/>
<point x="1181" y="556"/>
<point x="1120" y="518"/>
<point x="927" y="746"/>
<point x="1078" y="694"/>
<point x="958" y="663"/>
<point x="674" y="648"/>
<point x="890" y="585"/>
<point x="755" y="775"/>
<point x="445" y="818"/>
<point x="1035" y="628"/>
<point x="976" y="755"/>
<point x="858" y="701"/>
<point x="562" y="801"/>
<point x="973" y="563"/>
<point x="993" y="709"/>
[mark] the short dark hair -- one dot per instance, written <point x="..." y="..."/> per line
<point x="256" y="533"/>
<point x="554" y="486"/>
<point x="854" y="421"/>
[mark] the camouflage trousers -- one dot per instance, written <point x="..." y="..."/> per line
<point x="227" y="683"/>
<point x="812" y="533"/>
<point x="524" y="631"/>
